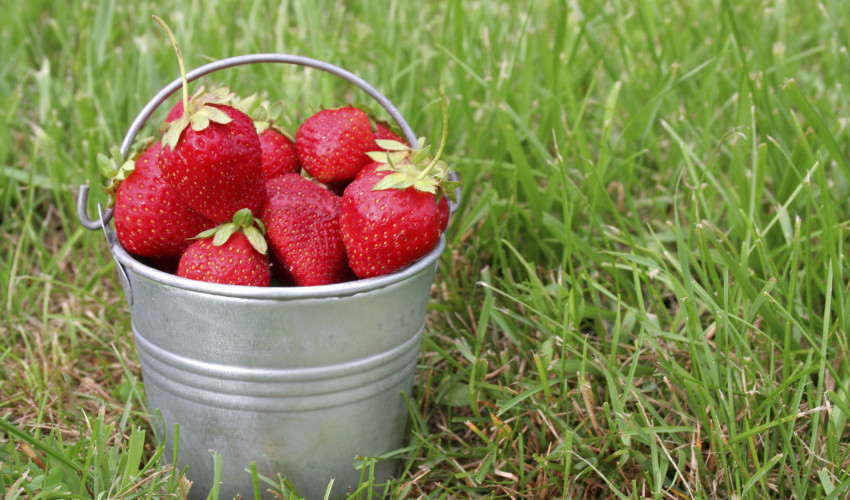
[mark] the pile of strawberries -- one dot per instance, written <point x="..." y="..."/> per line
<point x="225" y="196"/>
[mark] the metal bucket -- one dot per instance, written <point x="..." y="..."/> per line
<point x="300" y="381"/>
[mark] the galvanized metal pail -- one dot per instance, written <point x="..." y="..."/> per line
<point x="300" y="381"/>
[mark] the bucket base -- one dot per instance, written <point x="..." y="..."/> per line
<point x="309" y="449"/>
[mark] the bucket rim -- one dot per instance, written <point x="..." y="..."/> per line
<point x="346" y="289"/>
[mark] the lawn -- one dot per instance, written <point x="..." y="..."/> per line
<point x="644" y="292"/>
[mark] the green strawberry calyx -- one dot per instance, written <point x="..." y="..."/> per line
<point x="198" y="111"/>
<point x="116" y="168"/>
<point x="416" y="168"/>
<point x="243" y="221"/>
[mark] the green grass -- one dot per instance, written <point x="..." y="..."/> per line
<point x="645" y="291"/>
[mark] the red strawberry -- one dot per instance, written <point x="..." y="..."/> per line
<point x="302" y="221"/>
<point x="278" y="148"/>
<point x="233" y="253"/>
<point x="332" y="144"/>
<point x="279" y="156"/>
<point x="175" y="112"/>
<point x="384" y="132"/>
<point x="384" y="230"/>
<point x="147" y="162"/>
<point x="390" y="214"/>
<point x="151" y="219"/>
<point x="443" y="210"/>
<point x="218" y="168"/>
<point x="212" y="153"/>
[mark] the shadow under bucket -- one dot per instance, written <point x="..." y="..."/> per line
<point x="299" y="380"/>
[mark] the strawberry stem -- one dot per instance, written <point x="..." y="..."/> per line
<point x="179" y="61"/>
<point x="443" y="138"/>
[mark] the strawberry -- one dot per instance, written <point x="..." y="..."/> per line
<point x="151" y="219"/>
<point x="278" y="147"/>
<point x="383" y="131"/>
<point x="212" y="154"/>
<point x="217" y="167"/>
<point x="384" y="230"/>
<point x="381" y="128"/>
<point x="390" y="214"/>
<point x="175" y="113"/>
<point x="332" y="144"/>
<point x="279" y="156"/>
<point x="302" y="221"/>
<point x="444" y="212"/>
<point x="233" y="253"/>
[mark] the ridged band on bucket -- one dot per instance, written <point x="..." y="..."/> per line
<point x="281" y="390"/>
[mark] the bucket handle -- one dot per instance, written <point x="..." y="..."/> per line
<point x="106" y="215"/>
